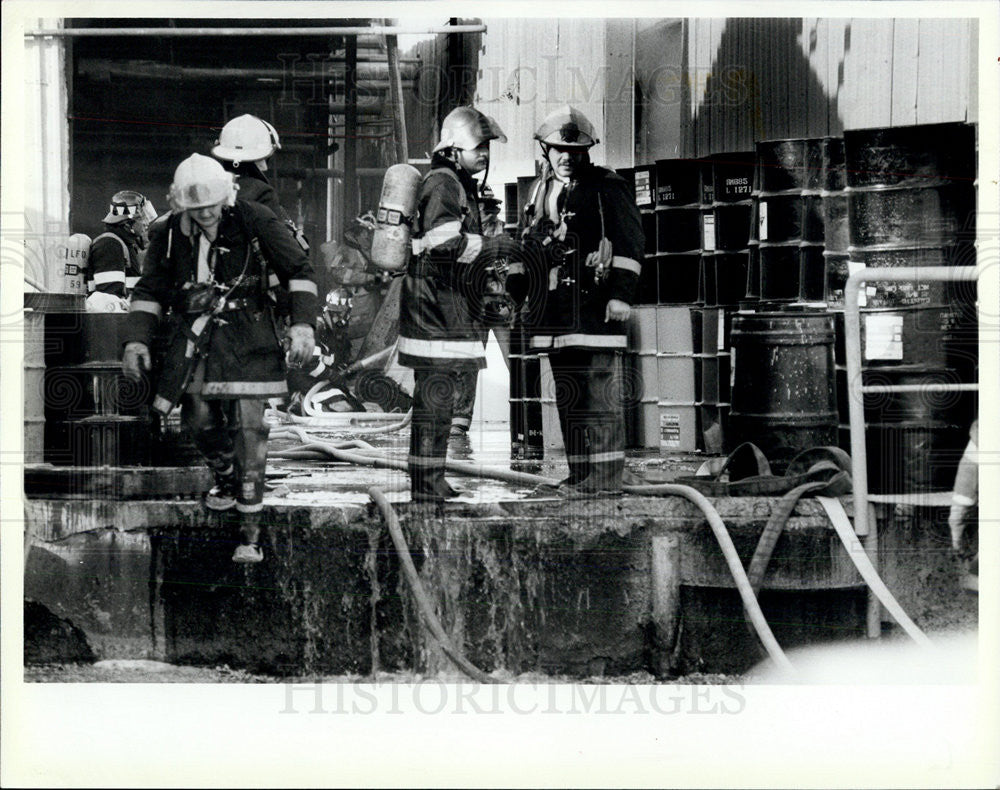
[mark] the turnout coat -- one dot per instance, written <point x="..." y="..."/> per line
<point x="240" y="344"/>
<point x="113" y="263"/>
<point x="567" y="303"/>
<point x="437" y="324"/>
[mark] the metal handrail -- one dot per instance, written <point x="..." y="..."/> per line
<point x="863" y="525"/>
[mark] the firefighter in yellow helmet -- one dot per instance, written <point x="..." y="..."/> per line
<point x="584" y="239"/>
<point x="206" y="271"/>
<point x="441" y="333"/>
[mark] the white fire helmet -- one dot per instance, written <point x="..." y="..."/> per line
<point x="246" y="138"/>
<point x="567" y="127"/>
<point x="125" y="205"/>
<point x="201" y="181"/>
<point x="466" y="127"/>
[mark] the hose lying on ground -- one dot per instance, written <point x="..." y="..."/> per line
<point x="718" y="528"/>
<point x="382" y="462"/>
<point x="334" y="420"/>
<point x="835" y="511"/>
<point x="754" y="612"/>
<point x="423" y="602"/>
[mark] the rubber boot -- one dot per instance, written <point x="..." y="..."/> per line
<point x="249" y="551"/>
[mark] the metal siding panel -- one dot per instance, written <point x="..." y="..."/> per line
<point x="970" y="65"/>
<point x="868" y="92"/>
<point x="716" y="132"/>
<point x="905" y="49"/>
<point x="939" y="77"/>
<point x="703" y="67"/>
<point x="619" y="97"/>
<point x="797" y="81"/>
<point x="835" y="64"/>
<point x="743" y="106"/>
<point x="814" y="48"/>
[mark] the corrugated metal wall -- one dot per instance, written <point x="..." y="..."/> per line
<point x="756" y="79"/>
<point x="701" y="86"/>
<point x="527" y="68"/>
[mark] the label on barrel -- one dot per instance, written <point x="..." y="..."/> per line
<point x="643" y="188"/>
<point x="762" y="221"/>
<point x="670" y="430"/>
<point x="884" y="337"/>
<point x="708" y="232"/>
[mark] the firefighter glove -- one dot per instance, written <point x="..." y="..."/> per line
<point x="301" y="344"/>
<point x="617" y="310"/>
<point x="135" y="359"/>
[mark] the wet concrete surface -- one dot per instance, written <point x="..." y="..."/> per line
<point x="524" y="585"/>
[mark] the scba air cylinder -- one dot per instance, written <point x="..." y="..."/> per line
<point x="71" y="264"/>
<point x="394" y="219"/>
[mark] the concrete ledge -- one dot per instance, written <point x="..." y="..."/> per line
<point x="581" y="587"/>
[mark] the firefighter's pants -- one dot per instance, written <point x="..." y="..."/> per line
<point x="433" y="404"/>
<point x="466" y="377"/>
<point x="232" y="436"/>
<point x="588" y="394"/>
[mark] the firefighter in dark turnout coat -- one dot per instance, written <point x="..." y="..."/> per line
<point x="244" y="146"/>
<point x="439" y="334"/>
<point x="207" y="267"/>
<point x="584" y="240"/>
<point x="113" y="263"/>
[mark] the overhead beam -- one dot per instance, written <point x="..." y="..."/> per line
<point x="145" y="69"/>
<point x="181" y="32"/>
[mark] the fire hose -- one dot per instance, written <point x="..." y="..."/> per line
<point x="747" y="585"/>
<point x="755" y="615"/>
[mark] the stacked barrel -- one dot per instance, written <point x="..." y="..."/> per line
<point x="527" y="438"/>
<point x="728" y="210"/>
<point x="789" y="220"/>
<point x="911" y="202"/>
<point x="737" y="334"/>
<point x="678" y="238"/>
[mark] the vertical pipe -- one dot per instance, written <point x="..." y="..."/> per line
<point x="396" y="99"/>
<point x="350" y="191"/>
<point x="859" y="452"/>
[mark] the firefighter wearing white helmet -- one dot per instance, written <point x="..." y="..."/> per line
<point x="114" y="259"/>
<point x="206" y="272"/>
<point x="584" y="239"/>
<point x="439" y="332"/>
<point x="244" y="146"/>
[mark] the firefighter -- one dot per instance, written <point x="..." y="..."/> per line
<point x="331" y="355"/>
<point x="208" y="264"/>
<point x="467" y="378"/>
<point x="964" y="498"/>
<point x="114" y="261"/>
<point x="440" y="333"/>
<point x="584" y="241"/>
<point x="244" y="146"/>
